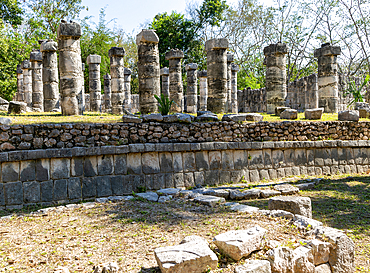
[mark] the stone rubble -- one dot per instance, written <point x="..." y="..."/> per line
<point x="293" y="204"/>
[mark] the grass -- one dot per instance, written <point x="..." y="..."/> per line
<point x="343" y="202"/>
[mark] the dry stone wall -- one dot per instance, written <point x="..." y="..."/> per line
<point x="53" y="176"/>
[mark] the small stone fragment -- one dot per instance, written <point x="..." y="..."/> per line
<point x="286" y="189"/>
<point x="150" y="196"/>
<point x="324" y="268"/>
<point x="302" y="221"/>
<point x="209" y="200"/>
<point x="254" y="266"/>
<point x="280" y="259"/>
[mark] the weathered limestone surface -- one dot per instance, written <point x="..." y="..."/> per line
<point x="289" y="114"/>
<point x="94" y="82"/>
<point x="50" y="76"/>
<point x="27" y="82"/>
<point x="217" y="75"/>
<point x="107" y="93"/>
<point x="312" y="95"/>
<point x="192" y="88"/>
<point x="254" y="266"/>
<point x="193" y="255"/>
<point x="276" y="89"/>
<point x="328" y="77"/>
<point x="203" y="90"/>
<point x="174" y="56"/>
<point x="313" y="114"/>
<point x="230" y="59"/>
<point x="293" y="204"/>
<point x="148" y="70"/>
<point x="82" y="98"/>
<point x="118" y="82"/>
<point x="240" y="243"/>
<point x="37" y="84"/>
<point x="165" y="72"/>
<point x="20" y="94"/>
<point x="349" y="115"/>
<point x="127" y="104"/>
<point x="234" y="88"/>
<point x="70" y="64"/>
<point x="281" y="260"/>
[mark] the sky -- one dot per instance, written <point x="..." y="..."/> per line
<point x="130" y="14"/>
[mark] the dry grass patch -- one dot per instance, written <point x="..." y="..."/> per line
<point x="126" y="233"/>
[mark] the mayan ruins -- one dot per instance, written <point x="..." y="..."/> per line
<point x="184" y="137"/>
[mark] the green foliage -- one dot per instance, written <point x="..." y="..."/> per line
<point x="355" y="91"/>
<point x="11" y="12"/>
<point x="211" y="12"/>
<point x="164" y="104"/>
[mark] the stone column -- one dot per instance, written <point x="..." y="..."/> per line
<point x="203" y="90"/>
<point x="328" y="77"/>
<point x="20" y="95"/>
<point x="50" y="77"/>
<point x="174" y="57"/>
<point x="230" y="59"/>
<point x="37" y="84"/>
<point x="148" y="70"/>
<point x="81" y="94"/>
<point x="27" y="82"/>
<point x="312" y="98"/>
<point x="217" y="75"/>
<point x="165" y="72"/>
<point x="117" y="73"/>
<point x="94" y="82"/>
<point x="276" y="90"/>
<point x="192" y="88"/>
<point x="234" y="88"/>
<point x="107" y="93"/>
<point x="70" y="64"/>
<point x="127" y="89"/>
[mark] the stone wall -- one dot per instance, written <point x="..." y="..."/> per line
<point x="69" y="175"/>
<point x="48" y="136"/>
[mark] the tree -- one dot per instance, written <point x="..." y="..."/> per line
<point x="11" y="12"/>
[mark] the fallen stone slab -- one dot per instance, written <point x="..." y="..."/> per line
<point x="313" y="114"/>
<point x="323" y="268"/>
<point x="170" y="118"/>
<point x="306" y="186"/>
<point x="209" y="200"/>
<point x="193" y="256"/>
<point x="131" y="119"/>
<point x="277" y="213"/>
<point x="342" y="254"/>
<point x="253" y="117"/>
<point x="201" y="113"/>
<point x="119" y="198"/>
<point x="280" y="259"/>
<point x="294" y="204"/>
<point x="185" y="118"/>
<point x="240" y="243"/>
<point x="217" y="192"/>
<point x="286" y="189"/>
<point x="279" y="110"/>
<point x="234" y="118"/>
<point x="289" y="114"/>
<point x="349" y="115"/>
<point x="305" y="222"/>
<point x="150" y="196"/>
<point x="244" y="208"/>
<point x="269" y="193"/>
<point x="169" y="191"/>
<point x="17" y="107"/>
<point x="152" y="118"/>
<point x="320" y="250"/>
<point x="244" y="195"/>
<point x="254" y="266"/>
<point x="206" y="118"/>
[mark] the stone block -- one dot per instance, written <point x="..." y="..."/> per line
<point x="214" y="160"/>
<point x="28" y="170"/>
<point x="150" y="196"/>
<point x="2" y="196"/>
<point x="117" y="185"/>
<point x="193" y="256"/>
<point x="105" y="164"/>
<point x="272" y="174"/>
<point x="74" y="188"/>
<point x="286" y="189"/>
<point x="13" y="193"/>
<point x="300" y="157"/>
<point x="134" y="163"/>
<point x="209" y="200"/>
<point x="224" y="177"/>
<point x="77" y="166"/>
<point x="147" y="36"/>
<point x="177" y="162"/>
<point x="253" y="117"/>
<point x="254" y="266"/>
<point x="227" y="160"/>
<point x="103" y="187"/>
<point x="320" y="250"/>
<point x="88" y="187"/>
<point x="349" y="115"/>
<point x="169" y="180"/>
<point x="302" y="260"/>
<point x="281" y="259"/>
<point x="10" y="171"/>
<point x="164" y="71"/>
<point x="46" y="188"/>
<point x="60" y="190"/>
<point x="60" y="168"/>
<point x="120" y="164"/>
<point x="165" y="162"/>
<point x="201" y="159"/>
<point x="255" y="159"/>
<point x="289" y="155"/>
<point x="323" y="268"/>
<point x="174" y="54"/>
<point x="278" y="158"/>
<point x="31" y="192"/>
<point x="178" y="180"/>
<point x="289" y="114"/>
<point x="93" y="59"/>
<point x="254" y="176"/>
<point x="240" y="159"/>
<point x="313" y="114"/>
<point x="214" y="44"/>
<point x="267" y="157"/>
<point x="211" y="177"/>
<point x="189" y="162"/>
<point x="322" y="157"/>
<point x="116" y="52"/>
<point x="69" y="30"/>
<point x="240" y="243"/>
<point x="295" y="205"/>
<point x="199" y="178"/>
